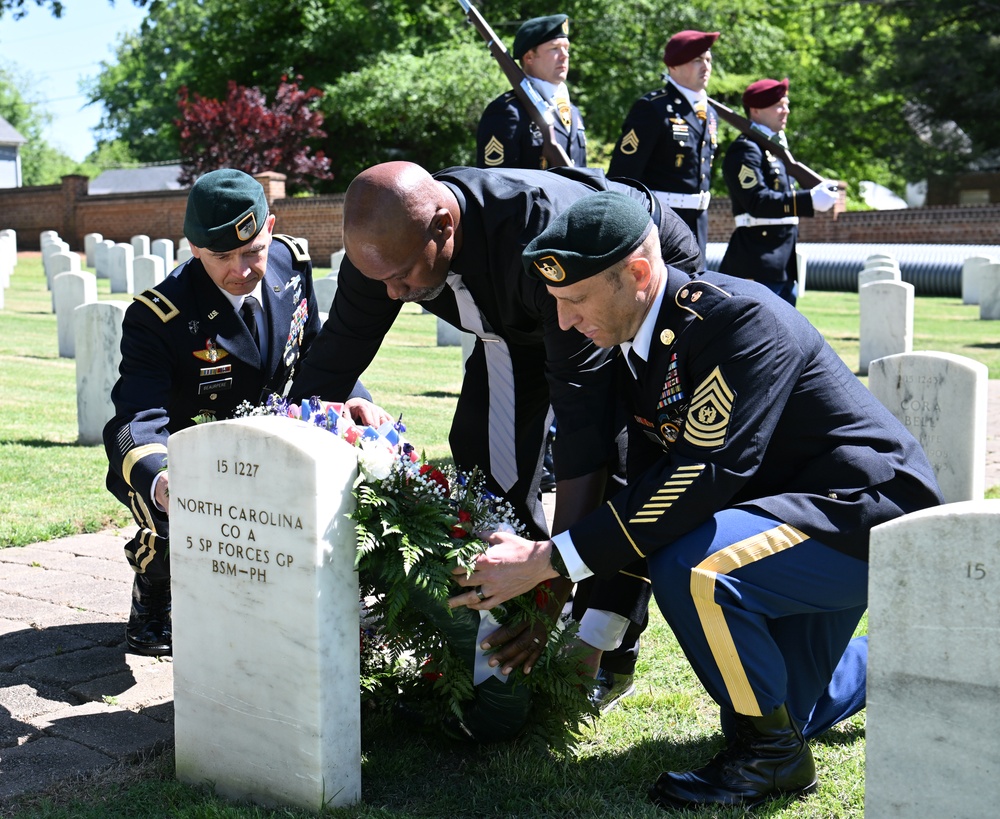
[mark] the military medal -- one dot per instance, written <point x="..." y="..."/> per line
<point x="212" y="351"/>
<point x="295" y="333"/>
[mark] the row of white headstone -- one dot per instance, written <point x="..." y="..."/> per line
<point x="265" y="608"/>
<point x="265" y="599"/>
<point x="886" y="303"/>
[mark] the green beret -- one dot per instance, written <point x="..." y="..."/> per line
<point x="225" y="210"/>
<point x="590" y="236"/>
<point x="538" y="30"/>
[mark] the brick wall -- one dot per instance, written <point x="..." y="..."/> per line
<point x="943" y="224"/>
<point x="69" y="210"/>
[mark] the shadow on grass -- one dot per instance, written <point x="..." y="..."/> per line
<point x="438" y="394"/>
<point x="42" y="444"/>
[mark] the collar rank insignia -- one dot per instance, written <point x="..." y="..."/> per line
<point x="212" y="352"/>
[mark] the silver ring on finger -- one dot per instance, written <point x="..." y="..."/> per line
<point x="480" y="594"/>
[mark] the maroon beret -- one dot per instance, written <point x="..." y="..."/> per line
<point x="684" y="46"/>
<point x="765" y="93"/>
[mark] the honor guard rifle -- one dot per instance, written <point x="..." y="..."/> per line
<point x="803" y="174"/>
<point x="538" y="109"/>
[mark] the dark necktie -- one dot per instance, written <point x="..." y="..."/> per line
<point x="638" y="365"/>
<point x="247" y="312"/>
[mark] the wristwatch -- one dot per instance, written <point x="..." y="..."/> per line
<point x="558" y="563"/>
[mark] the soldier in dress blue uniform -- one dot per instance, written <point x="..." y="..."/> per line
<point x="669" y="137"/>
<point x="507" y="137"/>
<point x="453" y="243"/>
<point x="758" y="464"/>
<point x="189" y="349"/>
<point x="766" y="204"/>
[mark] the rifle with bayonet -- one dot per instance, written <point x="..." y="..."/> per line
<point x="538" y="109"/>
<point x="803" y="174"/>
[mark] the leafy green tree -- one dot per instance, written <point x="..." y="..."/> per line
<point x="876" y="84"/>
<point x="17" y="10"/>
<point x="41" y="164"/>
<point x="420" y="108"/>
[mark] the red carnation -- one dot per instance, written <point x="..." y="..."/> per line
<point x="435" y="474"/>
<point x="458" y="530"/>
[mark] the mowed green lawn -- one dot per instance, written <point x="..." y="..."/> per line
<point x="50" y="486"/>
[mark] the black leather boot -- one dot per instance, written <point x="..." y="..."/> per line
<point x="148" y="630"/>
<point x="766" y="757"/>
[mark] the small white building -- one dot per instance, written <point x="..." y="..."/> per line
<point x="10" y="155"/>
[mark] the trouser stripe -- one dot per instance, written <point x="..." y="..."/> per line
<point x="712" y="617"/>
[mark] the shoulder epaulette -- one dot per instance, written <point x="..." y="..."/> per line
<point x="159" y="304"/>
<point x="299" y="252"/>
<point x="698" y="296"/>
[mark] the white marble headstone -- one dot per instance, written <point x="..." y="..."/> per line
<point x="59" y="263"/>
<point x="50" y="249"/>
<point x="989" y="292"/>
<point x="942" y="399"/>
<point x="878" y="273"/>
<point x="183" y="254"/>
<point x="102" y="258"/>
<point x="164" y="248"/>
<point x="879" y="260"/>
<point x="933" y="708"/>
<point x="120" y="271"/>
<point x="971" y="269"/>
<point x="89" y="242"/>
<point x="325" y="289"/>
<point x="97" y="332"/>
<point x="140" y="244"/>
<point x="147" y="272"/>
<point x="448" y="335"/>
<point x="265" y="612"/>
<point x="70" y="290"/>
<point x="886" y="320"/>
<point x="800" y="273"/>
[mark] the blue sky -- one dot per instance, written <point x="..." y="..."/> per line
<point x="55" y="54"/>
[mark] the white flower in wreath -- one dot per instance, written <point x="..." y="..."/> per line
<point x="375" y="460"/>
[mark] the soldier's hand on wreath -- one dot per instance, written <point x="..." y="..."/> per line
<point x="521" y="644"/>
<point x="364" y="412"/>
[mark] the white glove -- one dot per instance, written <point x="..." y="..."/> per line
<point x="824" y="195"/>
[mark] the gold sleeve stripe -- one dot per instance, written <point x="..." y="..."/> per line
<point x="636" y="576"/>
<point x="147" y="549"/>
<point x="664" y="497"/>
<point x="710" y="412"/>
<point x="136" y="455"/>
<point x="713" y="620"/>
<point x="159" y="304"/>
<point x="141" y="513"/>
<point x="625" y="531"/>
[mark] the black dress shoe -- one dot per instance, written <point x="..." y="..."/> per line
<point x="148" y="631"/>
<point x="767" y="757"/>
<point x="611" y="688"/>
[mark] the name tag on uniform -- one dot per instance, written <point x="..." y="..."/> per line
<point x="215" y="386"/>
